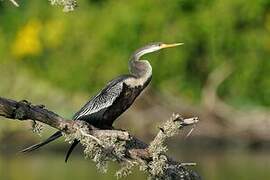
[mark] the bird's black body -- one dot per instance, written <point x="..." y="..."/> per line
<point x="102" y="109"/>
<point x="105" y="116"/>
<point x="117" y="96"/>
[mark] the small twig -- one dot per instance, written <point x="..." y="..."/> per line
<point x="14" y="3"/>
<point x="190" y="131"/>
<point x="151" y="159"/>
<point x="88" y="135"/>
<point x="188" y="164"/>
<point x="190" y="121"/>
<point x="37" y="127"/>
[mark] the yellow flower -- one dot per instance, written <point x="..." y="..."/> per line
<point x="27" y="41"/>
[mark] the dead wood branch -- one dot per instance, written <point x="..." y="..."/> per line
<point x="104" y="145"/>
<point x="14" y="3"/>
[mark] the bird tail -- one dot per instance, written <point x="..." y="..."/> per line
<point x="36" y="146"/>
<point x="71" y="148"/>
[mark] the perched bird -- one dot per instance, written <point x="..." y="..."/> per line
<point x="116" y="97"/>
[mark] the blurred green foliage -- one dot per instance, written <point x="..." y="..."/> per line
<point x="82" y="50"/>
<point x="59" y="59"/>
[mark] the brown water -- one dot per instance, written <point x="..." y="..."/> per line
<point x="212" y="166"/>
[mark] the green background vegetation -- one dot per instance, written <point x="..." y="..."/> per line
<point x="60" y="59"/>
<point x="82" y="50"/>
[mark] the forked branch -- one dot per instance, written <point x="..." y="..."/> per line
<point x="111" y="145"/>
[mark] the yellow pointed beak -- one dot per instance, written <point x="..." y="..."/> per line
<point x="171" y="45"/>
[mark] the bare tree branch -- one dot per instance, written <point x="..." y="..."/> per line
<point x="14" y="3"/>
<point x="103" y="145"/>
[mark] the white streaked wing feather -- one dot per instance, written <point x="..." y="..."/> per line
<point x="103" y="100"/>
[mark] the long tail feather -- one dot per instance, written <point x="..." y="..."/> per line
<point x="73" y="145"/>
<point x="36" y="146"/>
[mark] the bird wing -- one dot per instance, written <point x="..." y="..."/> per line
<point x="102" y="100"/>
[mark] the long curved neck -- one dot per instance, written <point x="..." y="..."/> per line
<point x="142" y="71"/>
<point x="139" y="68"/>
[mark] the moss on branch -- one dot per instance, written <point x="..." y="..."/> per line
<point x="103" y="146"/>
<point x="68" y="5"/>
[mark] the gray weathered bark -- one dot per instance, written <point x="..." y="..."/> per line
<point x="135" y="149"/>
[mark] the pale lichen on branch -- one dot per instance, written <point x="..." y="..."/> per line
<point x="14" y="2"/>
<point x="37" y="127"/>
<point x="68" y="5"/>
<point x="103" y="146"/>
<point x="157" y="148"/>
<point x="110" y="148"/>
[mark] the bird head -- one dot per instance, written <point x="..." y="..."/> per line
<point x="154" y="47"/>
